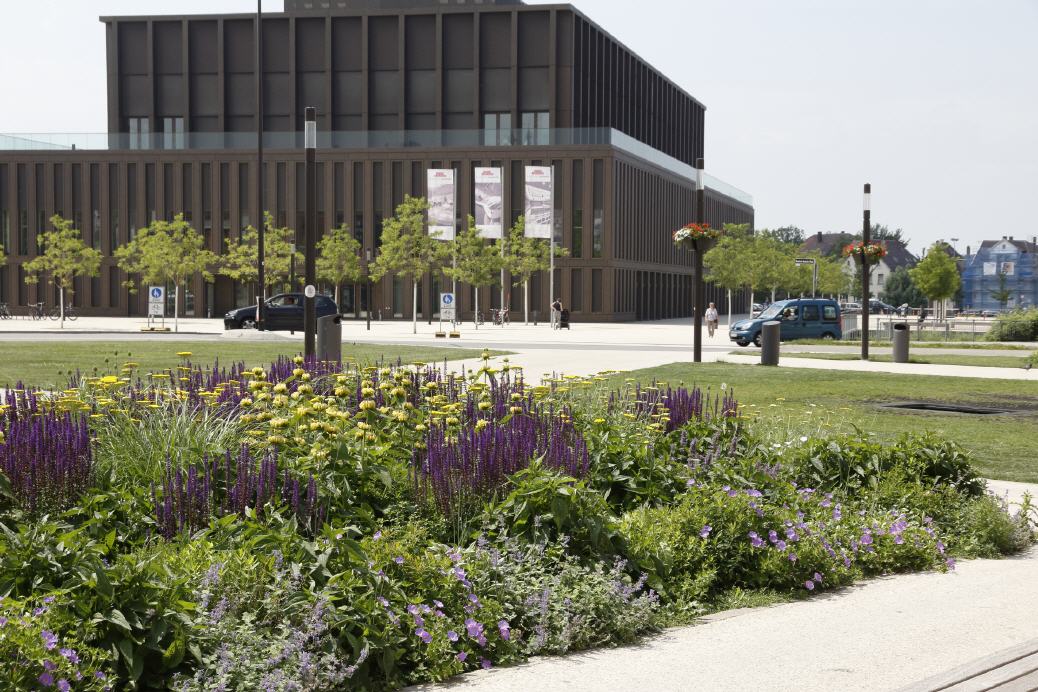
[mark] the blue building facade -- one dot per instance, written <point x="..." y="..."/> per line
<point x="1017" y="260"/>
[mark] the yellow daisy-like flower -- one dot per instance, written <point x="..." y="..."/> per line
<point x="185" y="354"/>
<point x="367" y="405"/>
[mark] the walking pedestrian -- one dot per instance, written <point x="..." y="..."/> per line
<point x="711" y="319"/>
<point x="556" y="312"/>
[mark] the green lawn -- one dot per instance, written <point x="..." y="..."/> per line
<point x="884" y="343"/>
<point x="47" y="364"/>
<point x="793" y="402"/>
<point x="981" y="361"/>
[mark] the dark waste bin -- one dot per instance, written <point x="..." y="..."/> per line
<point x="770" y="338"/>
<point x="329" y="338"/>
<point x="900" y="342"/>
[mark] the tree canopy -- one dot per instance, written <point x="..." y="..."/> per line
<point x="241" y="260"/>
<point x="477" y="262"/>
<point x="936" y="274"/>
<point x="64" y="256"/>
<point x="166" y="252"/>
<point x="338" y="259"/>
<point x="899" y="289"/>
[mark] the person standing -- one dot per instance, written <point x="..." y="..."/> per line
<point x="556" y="312"/>
<point x="711" y="319"/>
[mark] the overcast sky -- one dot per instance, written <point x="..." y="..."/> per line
<point x="935" y="102"/>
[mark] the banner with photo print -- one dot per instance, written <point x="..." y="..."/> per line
<point x="540" y="210"/>
<point x="489" y="203"/>
<point x="442" y="203"/>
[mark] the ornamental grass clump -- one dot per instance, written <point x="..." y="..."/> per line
<point x="46" y="455"/>
<point x="191" y="498"/>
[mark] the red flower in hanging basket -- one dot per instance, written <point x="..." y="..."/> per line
<point x="688" y="234"/>
<point x="868" y="252"/>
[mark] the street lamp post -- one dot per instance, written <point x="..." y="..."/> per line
<point x="310" y="237"/>
<point x="262" y="223"/>
<point x="697" y="263"/>
<point x="866" y="230"/>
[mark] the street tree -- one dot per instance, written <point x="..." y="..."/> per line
<point x="725" y="262"/>
<point x="525" y="256"/>
<point x="407" y="249"/>
<point x="64" y="256"/>
<point x="476" y="262"/>
<point x="3" y="256"/>
<point x="241" y="260"/>
<point x="936" y="275"/>
<point x="166" y="252"/>
<point x="881" y="233"/>
<point x="790" y="235"/>
<point x="899" y="290"/>
<point x="338" y="259"/>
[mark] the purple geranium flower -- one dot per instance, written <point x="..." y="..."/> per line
<point x="505" y="629"/>
<point x="809" y="585"/>
<point x="705" y="531"/>
<point x="63" y="685"/>
<point x="462" y="656"/>
<point x="398" y="560"/>
<point x="473" y="628"/>
<point x="46" y="679"/>
<point x="485" y="664"/>
<point x="50" y="640"/>
<point x="423" y="635"/>
<point x="452" y="635"/>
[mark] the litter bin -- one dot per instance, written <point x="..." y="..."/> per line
<point x="900" y="342"/>
<point x="770" y="338"/>
<point x="329" y="338"/>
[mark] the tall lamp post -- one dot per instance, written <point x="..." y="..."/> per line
<point x="262" y="224"/>
<point x="310" y="237"/>
<point x="866" y="230"/>
<point x="697" y="263"/>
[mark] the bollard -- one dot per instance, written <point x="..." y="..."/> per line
<point x="900" y="342"/>
<point x="770" y="338"/>
<point x="329" y="338"/>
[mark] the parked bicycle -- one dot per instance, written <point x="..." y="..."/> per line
<point x="37" y="311"/>
<point x="70" y="313"/>
<point x="5" y="312"/>
<point x="501" y="318"/>
<point x="478" y="318"/>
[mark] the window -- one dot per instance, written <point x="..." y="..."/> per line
<point x="829" y="313"/>
<point x="188" y="198"/>
<point x="173" y="133"/>
<point x="578" y="211"/>
<point x="149" y="192"/>
<point x="497" y="129"/>
<point x="207" y="202"/>
<point x="596" y="221"/>
<point x="535" y="128"/>
<point x="139" y="132"/>
<point x="577" y="290"/>
<point x="243" y="197"/>
<point x="225" y="206"/>
<point x="95" y="210"/>
<point x="358" y="202"/>
<point x="377" y="194"/>
<point x="340" y="195"/>
<point x="167" y="191"/>
<point x="41" y="214"/>
<point x="810" y="313"/>
<point x="131" y="198"/>
<point x="5" y="224"/>
<point x="596" y="290"/>
<point x="113" y="287"/>
<point x="281" y="215"/>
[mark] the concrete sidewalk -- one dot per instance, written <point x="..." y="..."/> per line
<point x="883" y="634"/>
<point x="893" y="368"/>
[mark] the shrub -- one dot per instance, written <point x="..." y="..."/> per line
<point x="1018" y="325"/>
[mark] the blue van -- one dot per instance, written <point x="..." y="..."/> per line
<point x="801" y="318"/>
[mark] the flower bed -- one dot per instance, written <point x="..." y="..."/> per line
<point x="309" y="526"/>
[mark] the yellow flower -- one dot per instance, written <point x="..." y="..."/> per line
<point x="600" y="420"/>
<point x="367" y="392"/>
<point x="298" y="360"/>
<point x="481" y="423"/>
<point x="109" y="379"/>
<point x="185" y="354"/>
<point x="367" y="405"/>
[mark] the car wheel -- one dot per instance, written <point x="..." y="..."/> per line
<point x="756" y="340"/>
<point x="828" y="336"/>
<point x="743" y="344"/>
<point x="247" y="323"/>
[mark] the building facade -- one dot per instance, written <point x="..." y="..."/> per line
<point x="399" y="87"/>
<point x="997" y="265"/>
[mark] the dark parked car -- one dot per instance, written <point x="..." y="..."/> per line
<point x="284" y="313"/>
<point x="878" y="307"/>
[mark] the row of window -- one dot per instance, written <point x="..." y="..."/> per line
<point x="115" y="190"/>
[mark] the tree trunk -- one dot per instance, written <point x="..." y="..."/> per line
<point x="176" y="307"/>
<point x="414" y="307"/>
<point x="338" y="295"/>
<point x="475" y="310"/>
<point x="61" y="307"/>
<point x="526" y="301"/>
<point x="729" y="308"/>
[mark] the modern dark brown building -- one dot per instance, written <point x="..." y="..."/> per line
<point x="400" y="86"/>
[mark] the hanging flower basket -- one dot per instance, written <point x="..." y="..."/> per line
<point x="870" y="253"/>
<point x="695" y="236"/>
